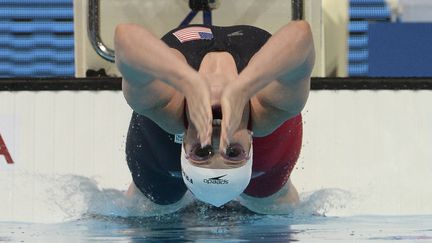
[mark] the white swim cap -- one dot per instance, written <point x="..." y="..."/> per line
<point x="216" y="186"/>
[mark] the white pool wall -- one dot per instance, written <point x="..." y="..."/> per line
<point x="373" y="144"/>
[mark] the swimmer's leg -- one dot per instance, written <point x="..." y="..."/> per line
<point x="152" y="208"/>
<point x="280" y="202"/>
<point x="151" y="156"/>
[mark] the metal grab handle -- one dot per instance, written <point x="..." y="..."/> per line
<point x="297" y="9"/>
<point x="94" y="31"/>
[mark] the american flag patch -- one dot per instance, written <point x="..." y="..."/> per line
<point x="193" y="33"/>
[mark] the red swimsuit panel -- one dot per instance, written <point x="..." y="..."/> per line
<point x="274" y="158"/>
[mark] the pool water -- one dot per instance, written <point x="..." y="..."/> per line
<point x="229" y="224"/>
<point x="72" y="208"/>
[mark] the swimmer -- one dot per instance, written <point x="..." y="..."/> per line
<point x="216" y="112"/>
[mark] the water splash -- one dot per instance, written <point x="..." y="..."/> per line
<point x="78" y="195"/>
<point x="60" y="198"/>
<point x="324" y="202"/>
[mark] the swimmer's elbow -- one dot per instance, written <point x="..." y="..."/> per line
<point x="304" y="26"/>
<point x="127" y="31"/>
<point x="123" y="35"/>
<point x="123" y="30"/>
<point x="303" y="29"/>
<point x="301" y="42"/>
<point x="300" y="34"/>
<point x="120" y="34"/>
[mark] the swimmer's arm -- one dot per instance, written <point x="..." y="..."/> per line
<point x="277" y="78"/>
<point x="153" y="76"/>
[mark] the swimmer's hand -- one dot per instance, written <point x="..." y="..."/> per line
<point x="197" y="93"/>
<point x="233" y="100"/>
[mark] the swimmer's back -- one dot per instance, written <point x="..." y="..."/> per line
<point x="195" y="41"/>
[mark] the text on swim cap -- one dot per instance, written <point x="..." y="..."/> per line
<point x="216" y="180"/>
<point x="187" y="177"/>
